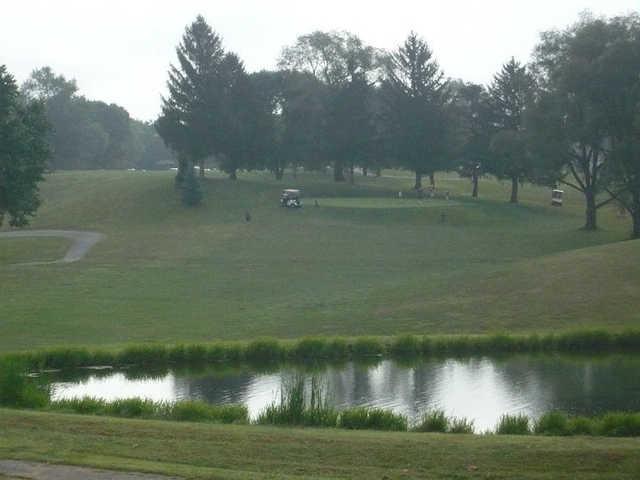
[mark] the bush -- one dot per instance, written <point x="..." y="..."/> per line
<point x="552" y="423"/>
<point x="580" y="426"/>
<point x="18" y="390"/>
<point x="618" y="424"/>
<point x="433" y="421"/>
<point x="372" y="419"/>
<point x="191" y="190"/>
<point x="513" y="425"/>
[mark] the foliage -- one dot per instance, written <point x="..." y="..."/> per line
<point x="513" y="425"/>
<point x="415" y="112"/>
<point x="191" y="190"/>
<point x="23" y="152"/>
<point x="18" y="390"/>
<point x="295" y="409"/>
<point x="372" y="419"/>
<point x="433" y="421"/>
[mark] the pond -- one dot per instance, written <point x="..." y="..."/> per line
<point x="481" y="389"/>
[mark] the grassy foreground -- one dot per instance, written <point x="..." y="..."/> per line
<point x="239" y="452"/>
<point x="360" y="263"/>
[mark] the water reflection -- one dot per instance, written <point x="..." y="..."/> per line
<point x="481" y="389"/>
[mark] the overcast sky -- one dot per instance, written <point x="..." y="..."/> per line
<point x="119" y="50"/>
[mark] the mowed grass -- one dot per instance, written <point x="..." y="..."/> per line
<point x="14" y="251"/>
<point x="216" y="451"/>
<point x="360" y="263"/>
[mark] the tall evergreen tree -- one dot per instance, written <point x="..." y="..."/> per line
<point x="23" y="152"/>
<point x="510" y="94"/>
<point x="192" y="120"/>
<point x="416" y="95"/>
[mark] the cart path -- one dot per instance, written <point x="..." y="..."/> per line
<point x="82" y="242"/>
<point x="46" y="471"/>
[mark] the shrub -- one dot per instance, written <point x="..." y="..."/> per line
<point x="618" y="424"/>
<point x="18" y="390"/>
<point x="372" y="419"/>
<point x="433" y="421"/>
<point x="513" y="425"/>
<point x="552" y="423"/>
<point x="580" y="426"/>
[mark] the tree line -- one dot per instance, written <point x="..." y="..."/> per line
<point x="87" y="134"/>
<point x="569" y="117"/>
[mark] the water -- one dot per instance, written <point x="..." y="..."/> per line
<point x="481" y="389"/>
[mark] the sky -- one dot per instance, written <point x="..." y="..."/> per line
<point x="119" y="50"/>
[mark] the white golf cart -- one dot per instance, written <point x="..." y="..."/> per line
<point x="290" y="199"/>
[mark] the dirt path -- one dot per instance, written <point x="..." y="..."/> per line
<point x="45" y="471"/>
<point x="82" y="242"/>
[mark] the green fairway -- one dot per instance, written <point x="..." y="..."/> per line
<point x="354" y="265"/>
<point x="215" y="451"/>
<point x="24" y="250"/>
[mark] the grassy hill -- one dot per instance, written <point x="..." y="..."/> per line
<point x="360" y="263"/>
<point x="240" y="452"/>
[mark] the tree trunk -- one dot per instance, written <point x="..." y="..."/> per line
<point x="514" y="189"/>
<point x="418" y="185"/>
<point x="279" y="172"/>
<point x="233" y="175"/>
<point x="378" y="172"/>
<point x="591" y="222"/>
<point x="474" y="179"/>
<point x="202" y="167"/>
<point x="432" y="179"/>
<point x="635" y="215"/>
<point x="338" y="172"/>
<point x="365" y="171"/>
<point x="352" y="179"/>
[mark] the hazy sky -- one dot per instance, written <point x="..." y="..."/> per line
<point x="119" y="50"/>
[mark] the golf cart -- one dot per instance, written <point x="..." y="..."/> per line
<point x="290" y="199"/>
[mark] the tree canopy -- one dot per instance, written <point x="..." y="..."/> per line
<point x="23" y="152"/>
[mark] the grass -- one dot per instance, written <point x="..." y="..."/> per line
<point x="14" y="251"/>
<point x="271" y="352"/>
<point x="197" y="451"/>
<point x="513" y="425"/>
<point x="357" y="265"/>
<point x="183" y="411"/>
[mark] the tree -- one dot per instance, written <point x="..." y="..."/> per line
<point x="619" y="70"/>
<point x="344" y="65"/>
<point x="416" y="96"/>
<point x="473" y="131"/>
<point x="23" y="152"/>
<point x="192" y="119"/>
<point x="510" y="94"/>
<point x="571" y="132"/>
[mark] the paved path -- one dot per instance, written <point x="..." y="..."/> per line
<point x="45" y="471"/>
<point x="82" y="242"/>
